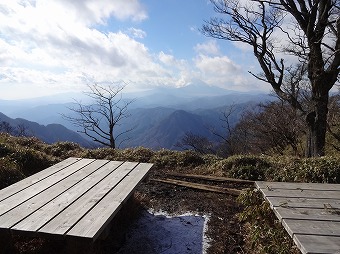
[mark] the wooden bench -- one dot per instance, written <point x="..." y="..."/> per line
<point x="76" y="198"/>
<point x="310" y="213"/>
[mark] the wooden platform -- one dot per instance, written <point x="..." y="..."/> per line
<point x="76" y="198"/>
<point x="310" y="212"/>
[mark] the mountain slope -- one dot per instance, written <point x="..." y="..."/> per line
<point x="50" y="133"/>
<point x="167" y="132"/>
<point x="198" y="108"/>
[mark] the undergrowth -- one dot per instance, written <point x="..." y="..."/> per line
<point x="265" y="233"/>
<point x="279" y="168"/>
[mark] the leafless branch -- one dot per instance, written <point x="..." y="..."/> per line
<point x="99" y="119"/>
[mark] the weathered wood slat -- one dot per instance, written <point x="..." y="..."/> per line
<point x="308" y="227"/>
<point x="49" y="203"/>
<point x="314" y="244"/>
<point x="23" y="184"/>
<point x="297" y="186"/>
<point x="92" y="224"/>
<point x="212" y="178"/>
<point x="40" y="186"/>
<point x="297" y="193"/>
<point x="305" y="214"/>
<point x="65" y="220"/>
<point x="199" y="186"/>
<point x="309" y="212"/>
<point x="303" y="202"/>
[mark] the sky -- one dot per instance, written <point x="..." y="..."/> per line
<point x="57" y="46"/>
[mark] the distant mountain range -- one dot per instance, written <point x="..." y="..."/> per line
<point x="160" y="117"/>
<point x="50" y="133"/>
<point x="164" y="127"/>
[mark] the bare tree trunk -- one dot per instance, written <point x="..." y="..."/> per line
<point x="321" y="82"/>
<point x="112" y="138"/>
<point x="317" y="126"/>
<point x="112" y="142"/>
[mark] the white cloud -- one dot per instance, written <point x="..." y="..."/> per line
<point x="217" y="69"/>
<point x="97" y="11"/>
<point x="179" y="71"/>
<point x="136" y="33"/>
<point x="244" y="47"/>
<point x="217" y="66"/>
<point x="221" y="71"/>
<point x="56" y="45"/>
<point x="166" y="58"/>
<point x="210" y="48"/>
<point x="49" y="42"/>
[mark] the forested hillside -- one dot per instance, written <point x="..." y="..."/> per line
<point x="50" y="133"/>
<point x="159" y="119"/>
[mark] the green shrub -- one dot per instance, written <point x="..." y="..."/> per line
<point x="31" y="142"/>
<point x="63" y="150"/>
<point x="279" y="168"/>
<point x="100" y="153"/>
<point x="31" y="161"/>
<point x="139" y="154"/>
<point x="210" y="159"/>
<point x="5" y="150"/>
<point x="189" y="159"/>
<point x="9" y="172"/>
<point x="244" y="167"/>
<point x="319" y="170"/>
<point x="170" y="159"/>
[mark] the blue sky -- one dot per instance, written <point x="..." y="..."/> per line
<point x="60" y="46"/>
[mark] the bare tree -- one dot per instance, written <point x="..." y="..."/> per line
<point x="228" y="118"/>
<point x="100" y="119"/>
<point x="7" y="127"/>
<point x="22" y="130"/>
<point x="196" y="142"/>
<point x="273" y="127"/>
<point x="314" y="40"/>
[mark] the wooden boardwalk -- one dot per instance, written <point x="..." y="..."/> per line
<point x="310" y="212"/>
<point x="76" y="198"/>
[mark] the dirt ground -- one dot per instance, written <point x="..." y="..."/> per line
<point x="223" y="229"/>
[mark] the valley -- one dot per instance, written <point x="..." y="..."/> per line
<point x="158" y="118"/>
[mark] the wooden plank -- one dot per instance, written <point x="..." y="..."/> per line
<point x="65" y="220"/>
<point x="211" y="178"/>
<point x="92" y="224"/>
<point x="303" y="202"/>
<point x="35" y="212"/>
<point x="297" y="186"/>
<point x="297" y="193"/>
<point x="309" y="227"/>
<point x="28" y="181"/>
<point x="199" y="186"/>
<point x="40" y="186"/>
<point x="315" y="244"/>
<point x="305" y="214"/>
<point x="309" y="212"/>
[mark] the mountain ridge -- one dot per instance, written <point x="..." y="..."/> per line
<point x="50" y="133"/>
<point x="158" y="120"/>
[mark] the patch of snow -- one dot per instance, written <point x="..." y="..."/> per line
<point x="159" y="232"/>
<point x="205" y="239"/>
